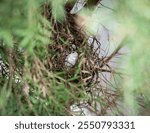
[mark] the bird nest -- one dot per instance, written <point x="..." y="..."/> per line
<point x="89" y="68"/>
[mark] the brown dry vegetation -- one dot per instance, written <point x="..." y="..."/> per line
<point x="88" y="67"/>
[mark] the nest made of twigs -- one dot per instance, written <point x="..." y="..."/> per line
<point x="90" y="64"/>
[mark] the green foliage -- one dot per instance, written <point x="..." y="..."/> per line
<point x="25" y="34"/>
<point x="135" y="17"/>
<point x="58" y="9"/>
<point x="23" y="21"/>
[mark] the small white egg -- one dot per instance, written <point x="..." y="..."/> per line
<point x="71" y="59"/>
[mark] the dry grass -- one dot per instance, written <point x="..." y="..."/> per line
<point x="85" y="75"/>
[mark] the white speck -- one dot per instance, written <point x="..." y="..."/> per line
<point x="71" y="59"/>
<point x="73" y="46"/>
